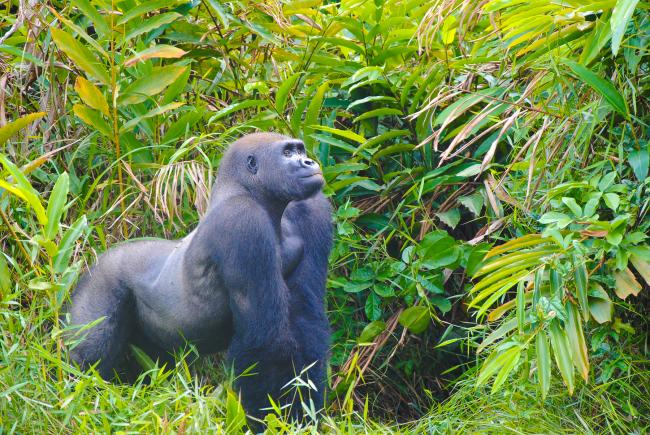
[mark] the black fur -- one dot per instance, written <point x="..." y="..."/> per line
<point x="249" y="278"/>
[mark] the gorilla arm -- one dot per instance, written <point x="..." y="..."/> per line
<point x="249" y="255"/>
<point x="312" y="223"/>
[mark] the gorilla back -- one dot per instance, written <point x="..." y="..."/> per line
<point x="250" y="278"/>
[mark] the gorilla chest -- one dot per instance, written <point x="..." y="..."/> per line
<point x="292" y="250"/>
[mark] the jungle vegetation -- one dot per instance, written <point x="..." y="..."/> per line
<point x="488" y="165"/>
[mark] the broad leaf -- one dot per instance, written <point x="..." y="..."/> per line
<point x="80" y="55"/>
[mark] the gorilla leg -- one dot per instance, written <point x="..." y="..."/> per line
<point x="101" y="295"/>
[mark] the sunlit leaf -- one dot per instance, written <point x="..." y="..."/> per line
<point x="620" y="17"/>
<point x="626" y="283"/>
<point x="160" y="51"/>
<point x="562" y="353"/>
<point x="151" y="84"/>
<point x="93" y="118"/>
<point x="415" y="319"/>
<point x="91" y="95"/>
<point x="80" y="55"/>
<point x="14" y="127"/>
<point x="602" y="86"/>
<point x="55" y="205"/>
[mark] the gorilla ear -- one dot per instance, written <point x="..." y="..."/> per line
<point x="251" y="164"/>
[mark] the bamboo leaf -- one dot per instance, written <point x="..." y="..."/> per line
<point x="151" y="84"/>
<point x="620" y="17"/>
<point x="152" y="24"/>
<point x="543" y="362"/>
<point x="283" y="92"/>
<point x="577" y="340"/>
<point x="161" y="51"/>
<point x="70" y="237"/>
<point x="14" y="127"/>
<point x="582" y="282"/>
<point x="5" y="275"/>
<point x="236" y="107"/>
<point x="93" y="118"/>
<point x="150" y="114"/>
<point x="603" y="87"/>
<point x="80" y="55"/>
<point x="311" y="117"/>
<point x="95" y="17"/>
<point x="91" y="95"/>
<point x="560" y="345"/>
<point x="145" y="8"/>
<point x="55" y="206"/>
<point x="23" y="189"/>
<point x="521" y="307"/>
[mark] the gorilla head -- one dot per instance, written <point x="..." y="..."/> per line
<point x="273" y="164"/>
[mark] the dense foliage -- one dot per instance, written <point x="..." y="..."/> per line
<point x="488" y="163"/>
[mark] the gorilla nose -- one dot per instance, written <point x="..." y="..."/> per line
<point x="308" y="163"/>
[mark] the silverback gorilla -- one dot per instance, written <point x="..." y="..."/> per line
<point x="249" y="278"/>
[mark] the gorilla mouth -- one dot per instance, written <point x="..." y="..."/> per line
<point x="311" y="175"/>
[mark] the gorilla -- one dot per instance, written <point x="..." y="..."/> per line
<point x="250" y="279"/>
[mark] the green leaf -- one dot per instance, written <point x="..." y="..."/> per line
<point x="235" y="414"/>
<point x="184" y="123"/>
<point x="612" y="200"/>
<point x="441" y="303"/>
<point x="603" y="87"/>
<point x="451" y="218"/>
<point x="641" y="266"/>
<point x="23" y="189"/>
<point x="371" y="330"/>
<point x="142" y="358"/>
<point x="5" y="275"/>
<point x="152" y="24"/>
<point x="626" y="283"/>
<point x="14" y="127"/>
<point x="562" y="353"/>
<point x="95" y="17"/>
<point x="415" y="319"/>
<point x="573" y="206"/>
<point x="160" y="51"/>
<point x="600" y="305"/>
<point x="283" y="92"/>
<point x="521" y="306"/>
<point x="582" y="281"/>
<point x="91" y="95"/>
<point x="639" y="162"/>
<point x="55" y="205"/>
<point x="237" y="107"/>
<point x="373" y="306"/>
<point x="543" y="362"/>
<point x="620" y="17"/>
<point x="80" y="55"/>
<point x="513" y="355"/>
<point x="384" y="111"/>
<point x="577" y="340"/>
<point x="70" y="237"/>
<point x="93" y="118"/>
<point x="154" y="112"/>
<point x="150" y="84"/>
<point x="560" y="219"/>
<point x="348" y="134"/>
<point x="144" y="8"/>
<point x="473" y="202"/>
<point x="311" y="117"/>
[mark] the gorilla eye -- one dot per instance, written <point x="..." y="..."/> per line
<point x="251" y="164"/>
<point x="287" y="152"/>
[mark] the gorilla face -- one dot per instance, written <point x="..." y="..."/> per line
<point x="285" y="170"/>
